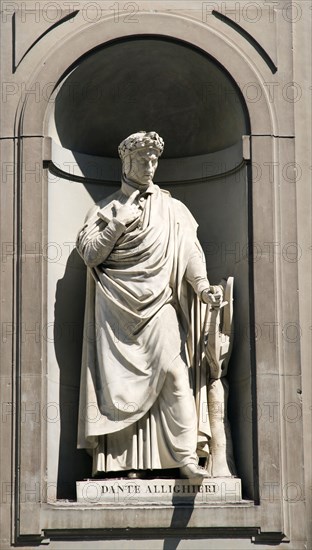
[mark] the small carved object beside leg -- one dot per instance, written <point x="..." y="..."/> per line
<point x="219" y="343"/>
<point x="221" y="448"/>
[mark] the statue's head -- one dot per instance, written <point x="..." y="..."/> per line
<point x="139" y="153"/>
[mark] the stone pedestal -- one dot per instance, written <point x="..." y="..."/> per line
<point x="162" y="492"/>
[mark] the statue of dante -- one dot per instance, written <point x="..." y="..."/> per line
<point x="140" y="405"/>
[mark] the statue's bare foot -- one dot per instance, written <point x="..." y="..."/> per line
<point x="192" y="471"/>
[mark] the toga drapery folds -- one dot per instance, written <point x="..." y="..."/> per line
<point x="143" y="320"/>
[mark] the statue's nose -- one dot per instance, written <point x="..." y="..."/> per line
<point x="149" y="167"/>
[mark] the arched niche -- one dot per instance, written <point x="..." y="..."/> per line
<point x="152" y="83"/>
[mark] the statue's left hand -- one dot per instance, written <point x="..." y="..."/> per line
<point x="212" y="296"/>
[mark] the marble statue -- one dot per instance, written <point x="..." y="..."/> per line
<point x="145" y="381"/>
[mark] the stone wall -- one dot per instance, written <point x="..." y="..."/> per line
<point x="263" y="49"/>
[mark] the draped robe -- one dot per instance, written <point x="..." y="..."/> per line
<point x="139" y="317"/>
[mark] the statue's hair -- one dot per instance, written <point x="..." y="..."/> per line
<point x="141" y="140"/>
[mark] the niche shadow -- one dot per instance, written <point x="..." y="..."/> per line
<point x="73" y="464"/>
<point x="180" y="518"/>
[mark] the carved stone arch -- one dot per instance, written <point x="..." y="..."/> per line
<point x="241" y="62"/>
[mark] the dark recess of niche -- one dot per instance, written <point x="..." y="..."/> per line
<point x="186" y="93"/>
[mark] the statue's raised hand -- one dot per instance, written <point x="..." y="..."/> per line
<point x="212" y="296"/>
<point x="129" y="211"/>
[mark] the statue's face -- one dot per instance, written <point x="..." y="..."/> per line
<point x="141" y="167"/>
